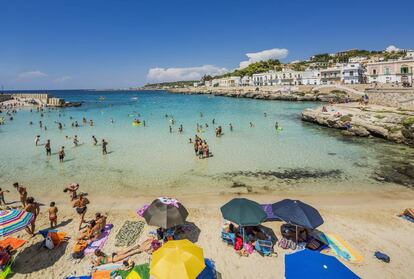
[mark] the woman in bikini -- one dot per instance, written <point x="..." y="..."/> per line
<point x="80" y="206"/>
<point x="102" y="258"/>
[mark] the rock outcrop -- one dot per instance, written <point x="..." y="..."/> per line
<point x="384" y="122"/>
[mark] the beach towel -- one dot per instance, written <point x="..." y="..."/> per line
<point x="13" y="242"/>
<point x="408" y="218"/>
<point x="100" y="242"/>
<point x="79" y="277"/>
<point x="102" y="274"/>
<point x="342" y="249"/>
<point x="110" y="266"/>
<point x="129" y="233"/>
<point x="138" y="272"/>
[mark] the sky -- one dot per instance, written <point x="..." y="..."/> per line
<point x="78" y="44"/>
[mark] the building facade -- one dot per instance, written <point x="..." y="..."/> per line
<point x="398" y="72"/>
<point x="352" y="73"/>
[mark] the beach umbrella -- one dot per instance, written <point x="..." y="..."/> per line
<point x="165" y="213"/>
<point x="177" y="259"/>
<point x="243" y="212"/>
<point x="310" y="264"/>
<point x="138" y="272"/>
<point x="14" y="220"/>
<point x="297" y="213"/>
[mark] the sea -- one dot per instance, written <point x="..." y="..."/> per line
<point x="252" y="158"/>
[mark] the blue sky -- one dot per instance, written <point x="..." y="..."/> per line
<point x="115" y="43"/>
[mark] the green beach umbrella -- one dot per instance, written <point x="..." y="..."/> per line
<point x="243" y="212"/>
<point x="138" y="272"/>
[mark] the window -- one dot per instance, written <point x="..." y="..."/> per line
<point x="404" y="69"/>
<point x="386" y="71"/>
<point x="351" y="73"/>
<point x="374" y="72"/>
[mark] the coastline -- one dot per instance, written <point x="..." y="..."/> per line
<point x="367" y="222"/>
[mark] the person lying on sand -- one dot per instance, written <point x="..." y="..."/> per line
<point x="102" y="258"/>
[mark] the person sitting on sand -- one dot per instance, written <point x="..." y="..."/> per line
<point x="91" y="232"/>
<point x="102" y="258"/>
<point x="324" y="109"/>
<point x="32" y="207"/>
<point x="100" y="221"/>
<point x="80" y="206"/>
<point x="22" y="193"/>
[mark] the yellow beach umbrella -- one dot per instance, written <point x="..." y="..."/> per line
<point x="177" y="259"/>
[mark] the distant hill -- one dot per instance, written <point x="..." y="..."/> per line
<point x="171" y="84"/>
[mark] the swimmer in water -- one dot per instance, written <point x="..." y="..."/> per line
<point x="40" y="124"/>
<point x="91" y="122"/>
<point x="231" y="127"/>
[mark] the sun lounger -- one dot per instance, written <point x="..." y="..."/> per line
<point x="229" y="238"/>
<point x="13" y="242"/>
<point x="100" y="242"/>
<point x="264" y="247"/>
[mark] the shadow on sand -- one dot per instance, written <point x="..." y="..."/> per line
<point x="35" y="258"/>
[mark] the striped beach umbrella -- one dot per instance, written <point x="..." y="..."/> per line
<point x="14" y="220"/>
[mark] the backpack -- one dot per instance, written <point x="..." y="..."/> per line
<point x="49" y="242"/>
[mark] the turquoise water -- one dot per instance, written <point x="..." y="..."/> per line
<point x="153" y="159"/>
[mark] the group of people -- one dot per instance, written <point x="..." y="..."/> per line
<point x="201" y="147"/>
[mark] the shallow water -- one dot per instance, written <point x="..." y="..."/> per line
<point x="153" y="160"/>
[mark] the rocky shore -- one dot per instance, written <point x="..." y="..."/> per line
<point x="393" y="124"/>
<point x="297" y="93"/>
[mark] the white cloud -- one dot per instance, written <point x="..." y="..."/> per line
<point x="190" y="73"/>
<point x="62" y="79"/>
<point x="392" y="48"/>
<point x="274" y="53"/>
<point x="31" y="75"/>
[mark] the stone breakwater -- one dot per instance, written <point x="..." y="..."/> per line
<point x="393" y="124"/>
<point x="300" y="93"/>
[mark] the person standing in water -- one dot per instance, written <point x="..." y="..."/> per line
<point x="170" y="129"/>
<point x="231" y="127"/>
<point x="276" y="125"/>
<point x="75" y="140"/>
<point x="104" y="144"/>
<point x="94" y="140"/>
<point x="62" y="154"/>
<point x="40" y="124"/>
<point x="37" y="140"/>
<point x="48" y="148"/>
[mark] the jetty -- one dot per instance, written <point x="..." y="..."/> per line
<point x="38" y="99"/>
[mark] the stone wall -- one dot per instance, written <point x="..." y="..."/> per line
<point x="5" y="97"/>
<point x="400" y="99"/>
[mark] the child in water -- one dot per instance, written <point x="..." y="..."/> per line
<point x="53" y="210"/>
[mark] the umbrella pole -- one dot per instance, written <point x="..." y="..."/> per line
<point x="297" y="234"/>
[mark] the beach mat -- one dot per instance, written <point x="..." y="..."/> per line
<point x="79" y="277"/>
<point x="110" y="266"/>
<point x="100" y="242"/>
<point x="102" y="274"/>
<point x="138" y="272"/>
<point x="15" y="243"/>
<point x="129" y="233"/>
<point x="342" y="249"/>
<point x="405" y="217"/>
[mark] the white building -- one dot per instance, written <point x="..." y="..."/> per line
<point x="225" y="82"/>
<point x="358" y="59"/>
<point x="208" y="83"/>
<point x="246" y="81"/>
<point x="409" y="54"/>
<point x="311" y="77"/>
<point x="352" y="73"/>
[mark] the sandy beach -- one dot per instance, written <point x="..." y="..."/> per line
<point x="367" y="221"/>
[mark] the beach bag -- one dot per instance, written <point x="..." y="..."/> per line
<point x="284" y="243"/>
<point x="239" y="244"/>
<point x="49" y="242"/>
<point x="78" y="249"/>
<point x="383" y="257"/>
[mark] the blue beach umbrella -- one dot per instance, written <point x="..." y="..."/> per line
<point x="309" y="264"/>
